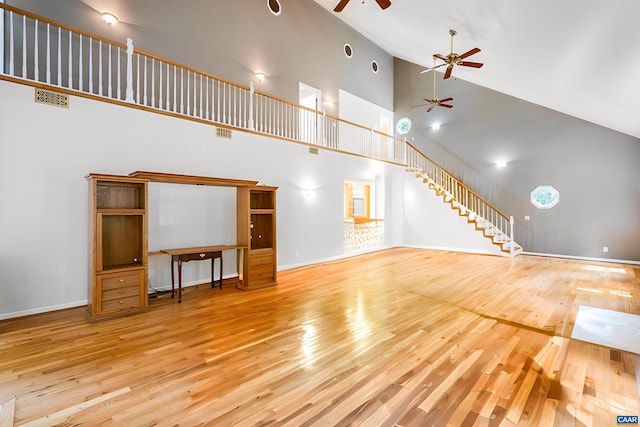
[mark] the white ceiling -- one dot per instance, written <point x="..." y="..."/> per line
<point x="579" y="57"/>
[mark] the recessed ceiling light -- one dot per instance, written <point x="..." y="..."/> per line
<point x="501" y="164"/>
<point x="109" y="18"/>
<point x="435" y="126"/>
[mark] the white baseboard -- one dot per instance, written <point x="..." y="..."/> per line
<point x="449" y="249"/>
<point x="333" y="258"/>
<point x="4" y="316"/>
<point x="581" y="258"/>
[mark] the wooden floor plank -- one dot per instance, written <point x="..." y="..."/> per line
<point x="397" y="337"/>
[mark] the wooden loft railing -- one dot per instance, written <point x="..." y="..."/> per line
<point x="47" y="54"/>
<point x="43" y="52"/>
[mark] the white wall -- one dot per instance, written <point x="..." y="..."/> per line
<point x="431" y="223"/>
<point x="361" y="111"/>
<point x="46" y="152"/>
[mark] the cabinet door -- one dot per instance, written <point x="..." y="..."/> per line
<point x="262" y="231"/>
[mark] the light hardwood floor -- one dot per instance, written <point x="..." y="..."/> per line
<point x="403" y="337"/>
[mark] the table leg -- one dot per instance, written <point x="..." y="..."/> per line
<point x="213" y="282"/>
<point x="173" y="259"/>
<point x="220" y="271"/>
<point x="179" y="280"/>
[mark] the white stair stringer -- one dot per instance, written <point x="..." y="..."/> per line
<point x="507" y="246"/>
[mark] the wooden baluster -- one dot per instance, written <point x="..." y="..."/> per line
<point x="144" y="78"/>
<point x="80" y="79"/>
<point x="90" y="64"/>
<point x="70" y="77"/>
<point x="48" y="55"/>
<point x="36" y="71"/>
<point x="100" y="68"/>
<point x="137" y="77"/>
<point x="168" y="107"/>
<point x="24" y="49"/>
<point x="160" y="84"/>
<point x="206" y="80"/>
<point x="109" y="80"/>
<point x="153" y="83"/>
<point x="119" y="76"/>
<point x="175" y="84"/>
<point x="11" y="59"/>
<point x="59" y="56"/>
<point x="188" y="101"/>
<point x="129" y="87"/>
<point x="181" y="91"/>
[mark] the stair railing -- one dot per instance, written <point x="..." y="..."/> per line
<point x="466" y="200"/>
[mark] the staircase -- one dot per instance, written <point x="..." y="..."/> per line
<point x="489" y="221"/>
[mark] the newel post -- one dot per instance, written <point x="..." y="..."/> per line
<point x="251" y="92"/>
<point x="511" y="246"/>
<point x="323" y="135"/>
<point x="129" y="89"/>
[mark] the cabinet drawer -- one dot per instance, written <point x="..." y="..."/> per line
<point x="261" y="259"/>
<point x="200" y="256"/>
<point x="120" y="304"/>
<point x="113" y="281"/>
<point x="260" y="275"/>
<point x="119" y="293"/>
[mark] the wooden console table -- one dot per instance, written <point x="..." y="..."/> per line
<point x="200" y="253"/>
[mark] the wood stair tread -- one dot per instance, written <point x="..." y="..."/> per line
<point x="489" y="231"/>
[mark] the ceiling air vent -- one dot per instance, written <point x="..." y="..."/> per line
<point x="52" y="98"/>
<point x="223" y="133"/>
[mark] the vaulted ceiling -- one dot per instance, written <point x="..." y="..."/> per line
<point x="578" y="57"/>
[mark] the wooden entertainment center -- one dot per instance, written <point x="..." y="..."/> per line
<point x="118" y="242"/>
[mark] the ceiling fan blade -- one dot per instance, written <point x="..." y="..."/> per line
<point x="442" y="57"/>
<point x="471" y="52"/>
<point x="446" y="100"/>
<point x="429" y="109"/>
<point x="470" y="64"/>
<point x="384" y="3"/>
<point x="447" y="73"/>
<point x="426" y="70"/>
<point x="341" y="5"/>
<point x="445" y="105"/>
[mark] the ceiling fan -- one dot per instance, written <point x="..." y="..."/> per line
<point x="382" y="3"/>
<point x="454" y="59"/>
<point x="435" y="102"/>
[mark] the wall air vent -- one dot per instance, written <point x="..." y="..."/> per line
<point x="223" y="133"/>
<point x="52" y="98"/>
<point x="313" y="150"/>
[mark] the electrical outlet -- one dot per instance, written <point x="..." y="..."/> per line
<point x="605" y="249"/>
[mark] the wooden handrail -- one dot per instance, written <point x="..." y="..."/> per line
<point x="458" y="181"/>
<point x="186" y="67"/>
